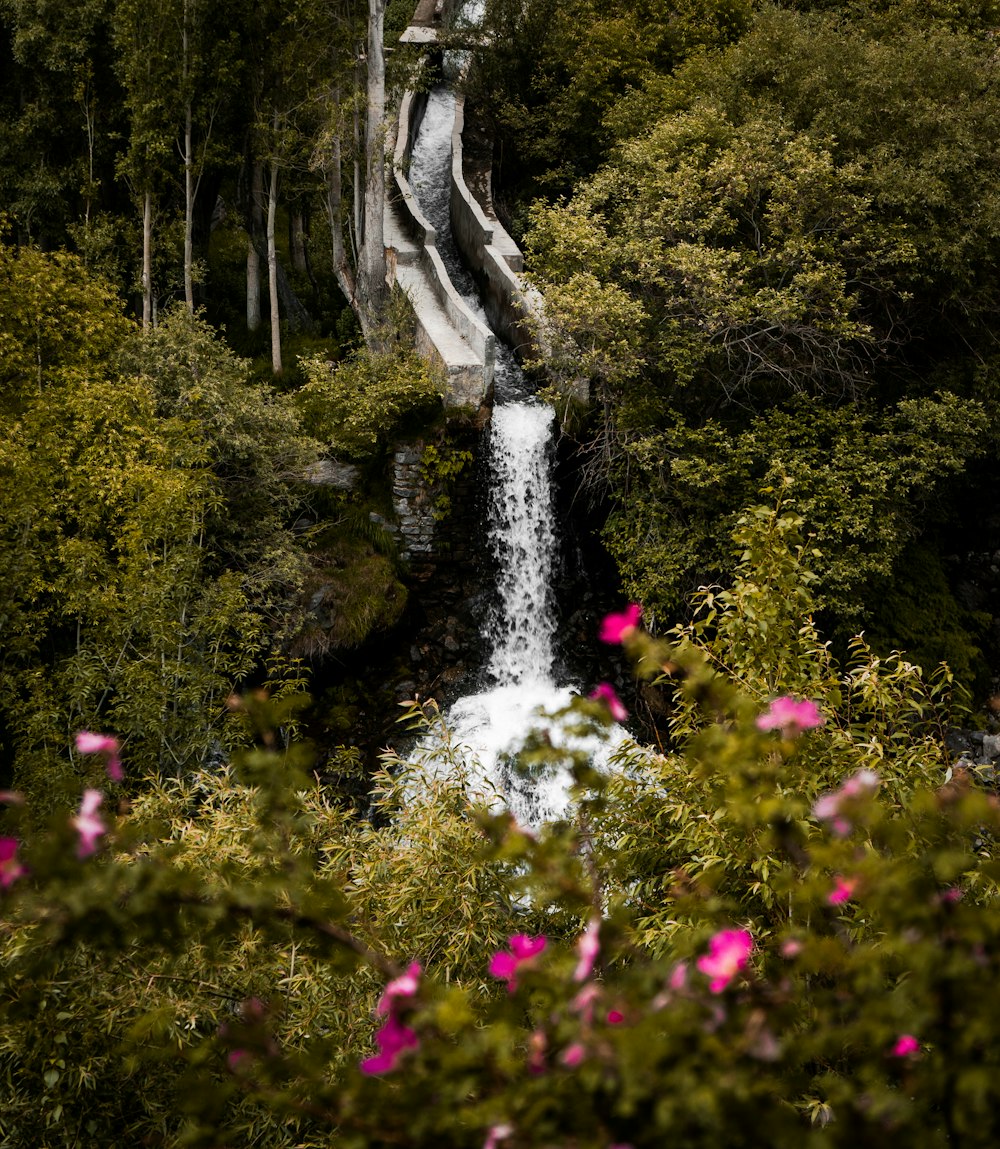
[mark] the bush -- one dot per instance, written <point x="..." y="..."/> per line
<point x="780" y="933"/>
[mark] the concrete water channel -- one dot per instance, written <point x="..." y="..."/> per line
<point x="449" y="334"/>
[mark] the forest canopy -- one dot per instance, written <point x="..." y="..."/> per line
<point x="776" y="262"/>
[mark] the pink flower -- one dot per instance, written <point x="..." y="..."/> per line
<point x="496" y="1134"/>
<point x="10" y="868"/>
<point x="89" y="743"/>
<point x="504" y="963"/>
<point x="538" y="1043"/>
<point x="791" y="948"/>
<point x="87" y="824"/>
<point x="605" y="692"/>
<point x="583" y="1003"/>
<point x="679" y="976"/>
<point x="790" y="717"/>
<point x="618" y="627"/>
<point x="615" y="1017"/>
<point x="843" y="890"/>
<point x="573" y="1054"/>
<point x="403" y="986"/>
<point x="829" y="807"/>
<point x="906" y="1045"/>
<point x="728" y="952"/>
<point x="393" y="1040"/>
<point x="589" y="946"/>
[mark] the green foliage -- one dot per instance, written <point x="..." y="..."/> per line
<point x="253" y="437"/>
<point x="440" y="466"/>
<point x="744" y="247"/>
<point x="783" y="268"/>
<point x="553" y="71"/>
<point x="356" y="405"/>
<point x="209" y="977"/>
<point x="147" y="565"/>
<point x="866" y="483"/>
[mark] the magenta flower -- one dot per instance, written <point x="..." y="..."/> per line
<point x="728" y="953"/>
<point x="906" y="1045"/>
<point x="393" y="1040"/>
<point x="843" y="890"/>
<point x="583" y="1003"/>
<point x="589" y="946"/>
<point x="829" y="807"/>
<point x="678" y="977"/>
<point x="403" y="986"/>
<point x="573" y="1054"/>
<point x="791" y="948"/>
<point x="505" y="963"/>
<point x="617" y="627"/>
<point x="790" y="717"/>
<point x="538" y="1043"/>
<point x="615" y="1017"/>
<point x="90" y="743"/>
<point x="87" y="824"/>
<point x="10" y="868"/>
<point x="496" y="1134"/>
<point x="605" y="692"/>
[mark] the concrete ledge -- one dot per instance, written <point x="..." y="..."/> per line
<point x="417" y="266"/>
<point x="514" y="311"/>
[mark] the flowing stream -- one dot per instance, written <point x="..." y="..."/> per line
<point x="519" y="630"/>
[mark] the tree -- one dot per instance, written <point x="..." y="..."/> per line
<point x="791" y="231"/>
<point x="61" y="119"/>
<point x="143" y="35"/>
<point x="144" y="521"/>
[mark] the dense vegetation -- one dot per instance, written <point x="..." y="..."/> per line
<point x="791" y="927"/>
<point x="775" y="258"/>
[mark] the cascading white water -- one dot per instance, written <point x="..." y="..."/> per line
<point x="522" y="626"/>
<point x="519" y="630"/>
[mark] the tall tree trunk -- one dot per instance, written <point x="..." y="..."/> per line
<point x="188" y="213"/>
<point x="253" y="255"/>
<point x="188" y="171"/>
<point x="297" y="239"/>
<point x="342" y="268"/>
<point x="359" y="183"/>
<point x="371" y="270"/>
<point x="147" y="259"/>
<point x="272" y="267"/>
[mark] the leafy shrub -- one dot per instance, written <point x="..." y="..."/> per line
<point x="780" y="933"/>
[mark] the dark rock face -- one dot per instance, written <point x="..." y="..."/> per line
<point x="441" y="539"/>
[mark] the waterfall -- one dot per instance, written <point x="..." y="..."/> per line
<point x="519" y="629"/>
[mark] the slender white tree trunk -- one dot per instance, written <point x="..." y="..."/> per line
<point x="272" y="268"/>
<point x="371" y="272"/>
<point x="188" y="213"/>
<point x="147" y="259"/>
<point x="253" y="257"/>
<point x="342" y="269"/>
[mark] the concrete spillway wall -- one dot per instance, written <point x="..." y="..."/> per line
<point x="514" y="310"/>
<point x="448" y="333"/>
